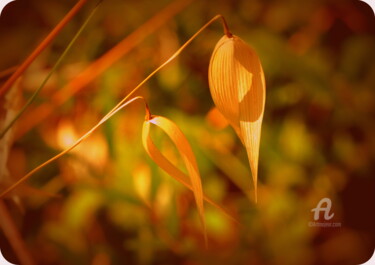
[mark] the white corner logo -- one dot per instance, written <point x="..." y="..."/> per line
<point x="326" y="209"/>
<point x="324" y="205"/>
<point x="3" y="261"/>
<point x="3" y="3"/>
<point x="371" y="3"/>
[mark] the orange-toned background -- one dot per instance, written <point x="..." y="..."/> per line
<point x="115" y="206"/>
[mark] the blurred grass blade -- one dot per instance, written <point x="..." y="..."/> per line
<point x="57" y="64"/>
<point x="9" y="107"/>
<point x="21" y="69"/>
<point x="6" y="72"/>
<point x="101" y="64"/>
<point x="238" y="89"/>
<point x="183" y="146"/>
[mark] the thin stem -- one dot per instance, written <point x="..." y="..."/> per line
<point x="119" y="106"/>
<point x="57" y="64"/>
<point x="100" y="65"/>
<point x="87" y="134"/>
<point x="41" y="47"/>
<point x="226" y="30"/>
<point x="148" y="112"/>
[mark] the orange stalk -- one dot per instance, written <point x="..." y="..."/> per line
<point x="171" y="58"/>
<point x="87" y="134"/>
<point x="99" y="66"/>
<point x="177" y="174"/>
<point x="50" y="37"/>
<point x="9" y="71"/>
<point x="115" y="109"/>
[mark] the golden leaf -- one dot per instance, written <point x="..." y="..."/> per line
<point x="172" y="170"/>
<point x="183" y="146"/>
<point x="238" y="90"/>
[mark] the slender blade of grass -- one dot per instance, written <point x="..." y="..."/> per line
<point x="56" y="65"/>
<point x="97" y="67"/>
<point x="50" y="37"/>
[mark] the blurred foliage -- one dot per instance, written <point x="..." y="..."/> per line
<point x="117" y="207"/>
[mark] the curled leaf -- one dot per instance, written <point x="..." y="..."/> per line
<point x="238" y="90"/>
<point x="172" y="170"/>
<point x="183" y="147"/>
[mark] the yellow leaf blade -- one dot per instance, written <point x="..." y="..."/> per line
<point x="251" y="97"/>
<point x="160" y="159"/>
<point x="173" y="171"/>
<point x="183" y="146"/>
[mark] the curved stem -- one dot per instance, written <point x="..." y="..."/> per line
<point x="56" y="65"/>
<point x="87" y="134"/>
<point x="122" y="103"/>
<point x="100" y="65"/>
<point x="226" y="28"/>
<point x="226" y="31"/>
